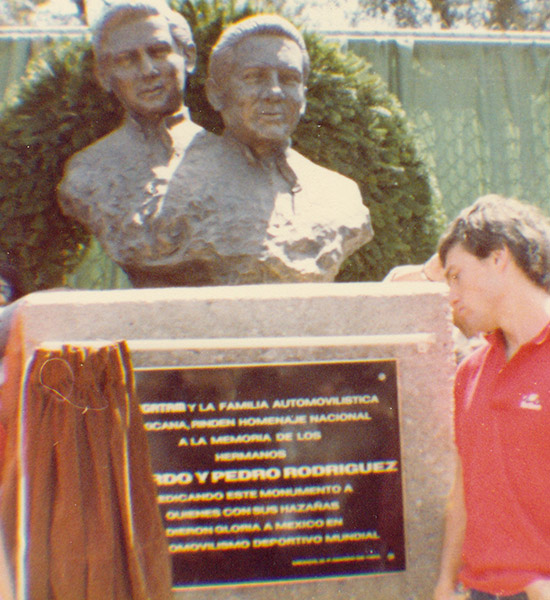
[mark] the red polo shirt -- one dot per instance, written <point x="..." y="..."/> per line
<point x="502" y="426"/>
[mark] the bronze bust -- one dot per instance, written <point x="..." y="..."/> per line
<point x="116" y="186"/>
<point x="243" y="207"/>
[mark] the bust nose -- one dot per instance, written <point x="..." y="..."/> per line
<point x="147" y="65"/>
<point x="272" y="87"/>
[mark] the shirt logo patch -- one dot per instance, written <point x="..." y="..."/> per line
<point x="531" y="401"/>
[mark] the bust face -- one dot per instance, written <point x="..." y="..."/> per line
<point x="145" y="68"/>
<point x="263" y="96"/>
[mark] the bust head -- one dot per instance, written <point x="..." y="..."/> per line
<point x="256" y="80"/>
<point x="143" y="51"/>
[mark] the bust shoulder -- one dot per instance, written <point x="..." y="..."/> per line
<point x="207" y="146"/>
<point x="314" y="174"/>
<point x="85" y="166"/>
<point x="100" y="150"/>
<point x="211" y="164"/>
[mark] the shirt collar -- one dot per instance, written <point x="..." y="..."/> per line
<point x="496" y="337"/>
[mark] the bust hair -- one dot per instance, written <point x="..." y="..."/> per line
<point x="493" y="222"/>
<point x="221" y="57"/>
<point x="131" y="10"/>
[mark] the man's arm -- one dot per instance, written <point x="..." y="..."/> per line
<point x="431" y="270"/>
<point x="451" y="554"/>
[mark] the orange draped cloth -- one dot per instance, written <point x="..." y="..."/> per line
<point x="78" y="505"/>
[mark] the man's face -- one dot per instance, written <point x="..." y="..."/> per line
<point x="145" y="68"/>
<point x="474" y="287"/>
<point x="263" y="97"/>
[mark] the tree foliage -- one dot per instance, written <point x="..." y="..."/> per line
<point x="57" y="110"/>
<point x="494" y="14"/>
<point x="41" y="13"/>
<point x="352" y="125"/>
<point x="446" y="14"/>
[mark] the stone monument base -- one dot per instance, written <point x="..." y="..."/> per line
<point x="308" y="407"/>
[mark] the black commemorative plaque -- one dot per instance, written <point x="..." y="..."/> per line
<point x="277" y="472"/>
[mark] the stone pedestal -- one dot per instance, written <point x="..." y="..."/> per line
<point x="406" y="324"/>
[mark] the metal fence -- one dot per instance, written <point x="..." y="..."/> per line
<point x="480" y="105"/>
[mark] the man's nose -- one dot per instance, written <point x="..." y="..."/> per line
<point x="453" y="296"/>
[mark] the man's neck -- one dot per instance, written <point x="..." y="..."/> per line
<point x="524" y="316"/>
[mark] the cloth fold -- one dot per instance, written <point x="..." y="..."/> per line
<point x="78" y="501"/>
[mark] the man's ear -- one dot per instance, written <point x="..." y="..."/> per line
<point x="501" y="256"/>
<point x="214" y="94"/>
<point x="190" y="54"/>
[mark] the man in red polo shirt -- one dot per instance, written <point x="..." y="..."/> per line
<point x="496" y="256"/>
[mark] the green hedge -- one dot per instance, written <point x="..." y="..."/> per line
<point x="352" y="125"/>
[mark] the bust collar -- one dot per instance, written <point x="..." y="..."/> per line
<point x="278" y="160"/>
<point x="159" y="132"/>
